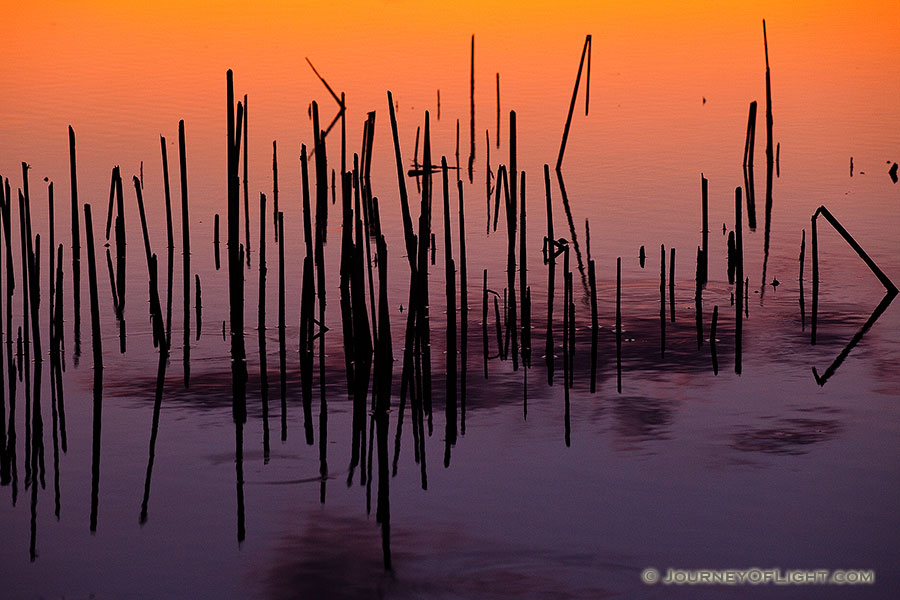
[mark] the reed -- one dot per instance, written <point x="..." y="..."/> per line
<point x="698" y="297"/>
<point x="464" y="307"/>
<point x="704" y="232"/>
<point x="472" y="110"/>
<point x="76" y="244"/>
<point x="749" y="145"/>
<point x="246" y="188"/>
<point x="800" y="280"/>
<point x="739" y="278"/>
<point x="586" y="51"/>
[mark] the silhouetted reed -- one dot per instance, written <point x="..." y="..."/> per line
<point x="76" y="244"/>
<point x="97" y="345"/>
<point x="246" y="189"/>
<point x="156" y="315"/>
<point x="739" y="278"/>
<point x="464" y="307"/>
<point x="216" y="240"/>
<point x="498" y="112"/>
<point x="749" y="145"/>
<point x="472" y="110"/>
<point x="704" y="232"/>
<point x="186" y="244"/>
<point x="586" y="51"/>
<point x="550" y="261"/>
<point x="698" y="297"/>
<point x="450" y="400"/>
<point x="282" y="339"/>
<point x="890" y="288"/>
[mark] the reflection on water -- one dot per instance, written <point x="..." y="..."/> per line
<point x="605" y="469"/>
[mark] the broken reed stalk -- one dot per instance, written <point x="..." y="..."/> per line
<point x="401" y="182"/>
<point x="120" y="245"/>
<point x="562" y="147"/>
<point x="739" y="278"/>
<point x="488" y="175"/>
<point x="749" y="145"/>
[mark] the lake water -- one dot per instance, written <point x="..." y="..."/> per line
<point x="684" y="468"/>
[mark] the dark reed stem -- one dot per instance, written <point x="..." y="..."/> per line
<point x="562" y="147"/>
<point x="698" y="297"/>
<point x="198" y="307"/>
<point x="282" y="350"/>
<point x="165" y="162"/>
<point x="76" y="244"/>
<point x="739" y="279"/>
<point x="186" y="247"/>
<point x="246" y="189"/>
<point x="498" y="111"/>
<point x="275" y="187"/>
<point x="749" y="145"/>
<point x="800" y="279"/>
<point x="704" y="232"/>
<point x="472" y="110"/>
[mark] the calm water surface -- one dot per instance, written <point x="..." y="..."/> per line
<point x="684" y="468"/>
